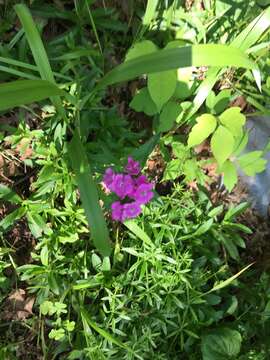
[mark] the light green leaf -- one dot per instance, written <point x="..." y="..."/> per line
<point x="89" y="196"/>
<point x="169" y="115"/>
<point x="22" y="92"/>
<point x="44" y="255"/>
<point x="9" y="195"/>
<point x="173" y="169"/>
<point x="206" y="124"/>
<point x="233" y="120"/>
<point x="135" y="229"/>
<point x="252" y="163"/>
<point x="240" y="144"/>
<point x="141" y="48"/>
<point x="142" y="102"/>
<point x="227" y="282"/>
<point x="221" y="344"/>
<point x="222" y="144"/>
<point x="230" y="175"/>
<point x="57" y="334"/>
<point x="162" y="86"/>
<point x="150" y="12"/>
<point x="168" y="59"/>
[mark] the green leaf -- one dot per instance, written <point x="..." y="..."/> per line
<point x="150" y="12"/>
<point x="141" y="48"/>
<point x="221" y="344"/>
<point x="22" y="92"/>
<point x="12" y="217"/>
<point x="173" y="169"/>
<point x="218" y="103"/>
<point x="37" y="48"/>
<point x="142" y="102"/>
<point x="236" y="210"/>
<point x="222" y="144"/>
<point x="102" y="332"/>
<point x="9" y="195"/>
<point x="230" y="175"/>
<point x="135" y="229"/>
<point x="240" y="144"/>
<point x="233" y="120"/>
<point x="57" y="334"/>
<point x="161" y="86"/>
<point x="168" y="116"/>
<point x="227" y="282"/>
<point x="44" y="255"/>
<point x="142" y="153"/>
<point x="168" y="59"/>
<point x="252" y="163"/>
<point x="89" y="196"/>
<point x="205" y="126"/>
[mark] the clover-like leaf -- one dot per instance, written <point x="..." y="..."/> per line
<point x="233" y="120"/>
<point x="205" y="126"/>
<point x="222" y="144"/>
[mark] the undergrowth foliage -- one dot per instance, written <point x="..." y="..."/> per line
<point x="113" y="269"/>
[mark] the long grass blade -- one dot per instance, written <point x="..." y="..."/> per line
<point x="21" y="92"/>
<point x="167" y="59"/>
<point x="89" y="196"/>
<point x="37" y="48"/>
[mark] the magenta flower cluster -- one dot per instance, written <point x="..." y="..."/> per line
<point x="132" y="188"/>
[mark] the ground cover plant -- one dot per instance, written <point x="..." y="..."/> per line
<point x="122" y="132"/>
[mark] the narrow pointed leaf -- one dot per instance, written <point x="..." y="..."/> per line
<point x="89" y="196"/>
<point x="168" y="59"/>
<point x="24" y="92"/>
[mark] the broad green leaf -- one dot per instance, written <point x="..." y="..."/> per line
<point x="161" y="86"/>
<point x="233" y="120"/>
<point x="37" y="48"/>
<point x="22" y="92"/>
<point x="168" y="116"/>
<point x="221" y="344"/>
<point x="9" y="195"/>
<point x="222" y="144"/>
<point x="173" y="169"/>
<point x="252" y="163"/>
<point x="168" y="59"/>
<point x="230" y="175"/>
<point x="89" y="196"/>
<point x="142" y="102"/>
<point x="141" y="48"/>
<point x="205" y="126"/>
<point x="231" y="248"/>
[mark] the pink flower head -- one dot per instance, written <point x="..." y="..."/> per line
<point x="132" y="167"/>
<point x="131" y="210"/>
<point x="122" y="185"/>
<point x="143" y="194"/>
<point x="117" y="211"/>
<point x="142" y="179"/>
<point x="108" y="177"/>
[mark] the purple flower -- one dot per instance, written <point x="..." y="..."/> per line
<point x="143" y="194"/>
<point x="132" y="167"/>
<point x="122" y="185"/>
<point x="117" y="211"/>
<point x="108" y="178"/>
<point x="142" y="179"/>
<point x="131" y="210"/>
